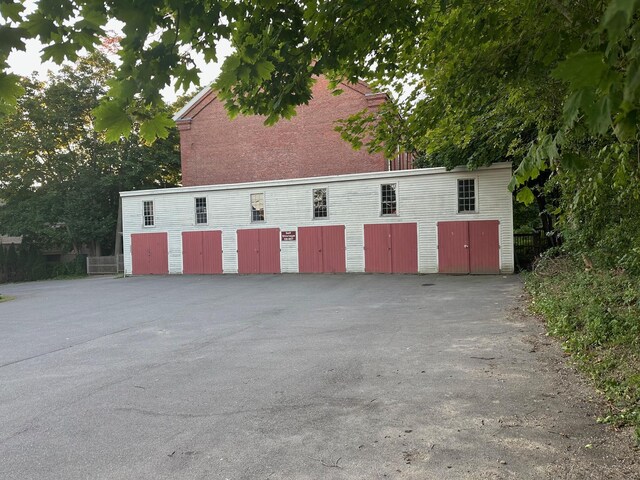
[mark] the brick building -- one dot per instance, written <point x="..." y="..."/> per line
<point x="296" y="198"/>
<point x="218" y="150"/>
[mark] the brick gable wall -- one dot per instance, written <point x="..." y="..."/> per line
<point x="217" y="150"/>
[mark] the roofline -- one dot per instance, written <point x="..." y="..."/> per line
<point x="202" y="93"/>
<point x="313" y="180"/>
<point x="178" y="115"/>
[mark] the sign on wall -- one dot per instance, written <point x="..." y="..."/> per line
<point x="288" y="235"/>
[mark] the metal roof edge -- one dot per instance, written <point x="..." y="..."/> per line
<point x="178" y="115"/>
<point x="313" y="180"/>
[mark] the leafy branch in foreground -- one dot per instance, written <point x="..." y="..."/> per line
<point x="528" y="81"/>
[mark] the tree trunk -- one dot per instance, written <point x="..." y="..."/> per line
<point x="547" y="221"/>
<point x="537" y="187"/>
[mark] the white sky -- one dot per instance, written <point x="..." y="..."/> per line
<point x="27" y="62"/>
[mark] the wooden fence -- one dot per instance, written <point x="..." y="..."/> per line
<point x="105" y="265"/>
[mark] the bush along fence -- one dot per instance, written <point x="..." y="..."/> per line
<point x="23" y="263"/>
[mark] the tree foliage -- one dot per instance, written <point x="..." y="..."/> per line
<point x="279" y="46"/>
<point x="600" y="214"/>
<point x="59" y="178"/>
<point x="552" y="85"/>
<point x="481" y="81"/>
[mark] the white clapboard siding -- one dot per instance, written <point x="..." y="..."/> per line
<point x="425" y="196"/>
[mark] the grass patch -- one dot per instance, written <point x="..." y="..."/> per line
<point x="597" y="315"/>
<point x="6" y="298"/>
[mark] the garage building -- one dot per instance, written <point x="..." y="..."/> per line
<point x="407" y="221"/>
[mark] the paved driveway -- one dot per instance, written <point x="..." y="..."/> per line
<point x="287" y="377"/>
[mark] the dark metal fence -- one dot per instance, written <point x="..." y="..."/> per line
<point x="528" y="246"/>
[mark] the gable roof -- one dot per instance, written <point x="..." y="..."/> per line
<point x="203" y="95"/>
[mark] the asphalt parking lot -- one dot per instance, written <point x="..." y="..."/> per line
<point x="290" y="377"/>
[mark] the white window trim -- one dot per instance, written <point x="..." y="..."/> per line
<point x="153" y="207"/>
<point x="475" y="195"/>
<point x="264" y="206"/>
<point x="313" y="206"/>
<point x="195" y="210"/>
<point x="397" y="214"/>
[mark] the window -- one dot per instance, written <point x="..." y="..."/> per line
<point x="147" y="210"/>
<point x="201" y="210"/>
<point x="467" y="195"/>
<point x="319" y="203"/>
<point x="257" y="207"/>
<point x="389" y="199"/>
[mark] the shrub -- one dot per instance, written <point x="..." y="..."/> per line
<point x="597" y="314"/>
<point x="28" y="264"/>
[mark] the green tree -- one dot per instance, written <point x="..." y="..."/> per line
<point x="60" y="178"/>
<point x="2" y="263"/>
<point x="11" y="262"/>
<point x="552" y="85"/>
<point x="587" y="46"/>
<point x="600" y="217"/>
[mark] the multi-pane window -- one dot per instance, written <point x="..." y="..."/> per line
<point x="388" y="199"/>
<point x="257" y="207"/>
<point x="466" y="195"/>
<point x="319" y="203"/>
<point x="147" y="211"/>
<point x="201" y="210"/>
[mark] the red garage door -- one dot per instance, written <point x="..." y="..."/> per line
<point x="484" y="247"/>
<point x="202" y="252"/>
<point x="404" y="247"/>
<point x="259" y="250"/>
<point x="453" y="247"/>
<point x="321" y="249"/>
<point x="149" y="254"/>
<point x="469" y="247"/>
<point x="391" y="248"/>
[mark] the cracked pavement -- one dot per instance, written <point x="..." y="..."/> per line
<point x="292" y="377"/>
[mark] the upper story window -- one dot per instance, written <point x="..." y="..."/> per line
<point x="147" y="213"/>
<point x="257" y="207"/>
<point x="388" y="198"/>
<point x="201" y="210"/>
<point x="466" y="195"/>
<point x="320" y="203"/>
